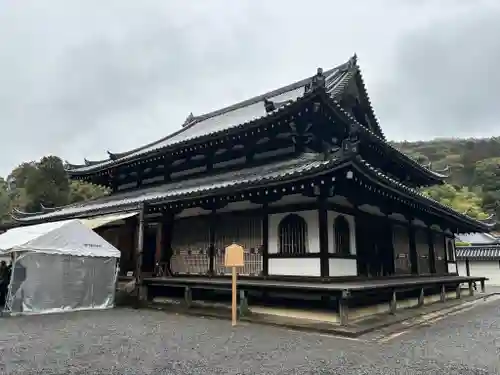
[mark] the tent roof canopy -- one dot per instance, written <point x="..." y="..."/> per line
<point x="69" y="237"/>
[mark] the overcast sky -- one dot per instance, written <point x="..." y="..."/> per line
<point x="78" y="78"/>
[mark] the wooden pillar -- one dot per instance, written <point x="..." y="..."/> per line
<point x="446" y="271"/>
<point x="432" y="252"/>
<point x="159" y="243"/>
<point x="413" y="248"/>
<point x="421" y="297"/>
<point x="343" y="307"/>
<point x="323" y="235"/>
<point x="243" y="305"/>
<point x="390" y="247"/>
<point x="471" y="288"/>
<point x="211" y="248"/>
<point x="167" y="223"/>
<point x="393" y="304"/>
<point x="459" y="291"/>
<point x="443" y="293"/>
<point x="188" y="297"/>
<point x="467" y="266"/>
<point x="139" y="252"/>
<point x="265" y="240"/>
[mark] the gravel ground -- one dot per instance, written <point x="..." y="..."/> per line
<point x="126" y="341"/>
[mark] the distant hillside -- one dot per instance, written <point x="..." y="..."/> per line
<point x="474" y="164"/>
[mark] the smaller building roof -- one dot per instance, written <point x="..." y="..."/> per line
<point x="478" y="238"/>
<point x="491" y="252"/>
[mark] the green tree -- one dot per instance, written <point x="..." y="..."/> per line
<point x="459" y="198"/>
<point x="81" y="191"/>
<point x="48" y="184"/>
<point x="33" y="184"/>
<point x="5" y="201"/>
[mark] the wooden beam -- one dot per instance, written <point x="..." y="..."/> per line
<point x="211" y="250"/>
<point x="265" y="240"/>
<point x="390" y="245"/>
<point x="393" y="304"/>
<point x="323" y="235"/>
<point x="413" y="249"/>
<point x="432" y="252"/>
<point x="166" y="249"/>
<point x="159" y="243"/>
<point x="139" y="253"/>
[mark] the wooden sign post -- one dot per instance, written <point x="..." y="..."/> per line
<point x="234" y="258"/>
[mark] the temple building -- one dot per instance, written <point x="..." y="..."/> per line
<point x="302" y="177"/>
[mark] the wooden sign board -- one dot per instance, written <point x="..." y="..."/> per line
<point x="234" y="256"/>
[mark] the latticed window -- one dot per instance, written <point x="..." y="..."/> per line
<point x="292" y="235"/>
<point x="342" y="236"/>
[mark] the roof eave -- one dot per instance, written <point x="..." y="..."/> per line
<point x="434" y="177"/>
<point x="203" y="138"/>
<point x="468" y="222"/>
<point x="333" y="164"/>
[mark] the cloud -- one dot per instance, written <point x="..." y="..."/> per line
<point x="446" y="80"/>
<point x="78" y="78"/>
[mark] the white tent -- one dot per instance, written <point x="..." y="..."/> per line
<point x="59" y="266"/>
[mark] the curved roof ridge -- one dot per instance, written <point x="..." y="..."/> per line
<point x="261" y="97"/>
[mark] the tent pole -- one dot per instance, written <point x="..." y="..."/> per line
<point x="139" y="253"/>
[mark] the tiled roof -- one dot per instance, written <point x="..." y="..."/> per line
<point x="284" y="170"/>
<point x="491" y="252"/>
<point x="304" y="165"/>
<point x="478" y="238"/>
<point x="249" y="111"/>
<point x="367" y="167"/>
<point x="234" y="116"/>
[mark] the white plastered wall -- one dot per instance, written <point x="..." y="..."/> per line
<point x="311" y="218"/>
<point x="332" y="215"/>
<point x="482" y="268"/>
<point x="311" y="266"/>
<point x="341" y="266"/>
<point x="295" y="266"/>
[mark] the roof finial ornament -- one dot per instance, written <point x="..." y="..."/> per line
<point x="318" y="80"/>
<point x="67" y="165"/>
<point x="86" y="161"/>
<point x="269" y="105"/>
<point x="111" y="155"/>
<point x="188" y="120"/>
<point x="353" y="61"/>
